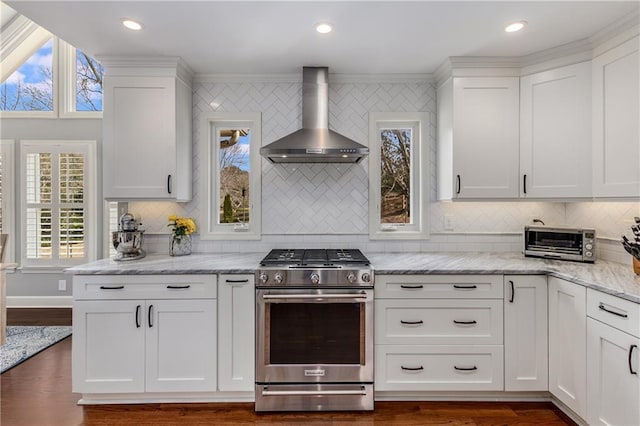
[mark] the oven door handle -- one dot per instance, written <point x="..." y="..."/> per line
<point x="314" y="392"/>
<point x="314" y="296"/>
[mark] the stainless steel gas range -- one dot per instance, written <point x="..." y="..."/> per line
<point x="314" y="326"/>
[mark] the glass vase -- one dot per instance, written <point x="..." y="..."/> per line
<point x="180" y="246"/>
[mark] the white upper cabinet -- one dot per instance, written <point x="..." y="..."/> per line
<point x="616" y="112"/>
<point x="478" y="131"/>
<point x="147" y="134"/>
<point x="555" y="133"/>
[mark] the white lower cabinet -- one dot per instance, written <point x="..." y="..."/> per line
<point x="132" y="345"/>
<point x="525" y="333"/>
<point x="236" y="333"/>
<point x="567" y="344"/>
<point x="429" y="338"/>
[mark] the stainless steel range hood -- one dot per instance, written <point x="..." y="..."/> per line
<point x="315" y="143"/>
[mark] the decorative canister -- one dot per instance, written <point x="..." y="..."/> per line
<point x="180" y="246"/>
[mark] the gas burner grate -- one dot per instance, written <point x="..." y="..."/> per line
<point x="314" y="257"/>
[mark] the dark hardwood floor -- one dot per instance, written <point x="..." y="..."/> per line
<point x="38" y="393"/>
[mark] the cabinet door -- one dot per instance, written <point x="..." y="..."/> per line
<point x="613" y="390"/>
<point x="485" y="137"/>
<point x="567" y="343"/>
<point x="236" y="333"/>
<point x="108" y="346"/>
<point x="525" y="333"/>
<point x="139" y="127"/>
<point x="181" y="345"/>
<point x="616" y="108"/>
<point x="555" y="130"/>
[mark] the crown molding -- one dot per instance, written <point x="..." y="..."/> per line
<point x="145" y="65"/>
<point x="615" y="34"/>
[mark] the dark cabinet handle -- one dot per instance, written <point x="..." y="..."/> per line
<point x="138" y="316"/>
<point x="150" y="316"/>
<point x="169" y="184"/>
<point x="412" y="368"/>
<point x="465" y="287"/>
<point x="513" y="292"/>
<point x="236" y="281"/>
<point x="411" y="287"/>
<point x="411" y="322"/>
<point x="631" y="348"/>
<point x="111" y="287"/>
<point x="465" y="368"/>
<point x="524" y="183"/>
<point x="602" y="308"/>
<point x="458" y="184"/>
<point x="465" y="322"/>
<point x="179" y="287"/>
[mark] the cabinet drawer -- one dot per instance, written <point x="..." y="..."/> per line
<point x="439" y="322"/>
<point x="439" y="368"/>
<point x="619" y="313"/>
<point x="101" y="287"/>
<point x="438" y="286"/>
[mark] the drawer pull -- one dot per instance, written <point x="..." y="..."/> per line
<point x="138" y="316"/>
<point x="150" y="316"/>
<point x="465" y="368"/>
<point x="631" y="348"/>
<point x="412" y="368"/>
<point x="465" y="322"/>
<point x="178" y="287"/>
<point x="411" y="287"/>
<point x="237" y="281"/>
<point x="111" y="287"/>
<point x="465" y="287"/>
<point x="411" y="322"/>
<point x="602" y="308"/>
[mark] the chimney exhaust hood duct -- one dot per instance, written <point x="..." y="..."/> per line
<point x="315" y="143"/>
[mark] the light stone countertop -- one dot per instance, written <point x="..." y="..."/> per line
<point x="609" y="277"/>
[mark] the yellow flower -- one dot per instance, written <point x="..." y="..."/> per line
<point x="182" y="225"/>
<point x="173" y="217"/>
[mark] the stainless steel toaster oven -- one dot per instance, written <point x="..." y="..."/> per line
<point x="575" y="244"/>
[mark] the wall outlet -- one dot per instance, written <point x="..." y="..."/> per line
<point x="448" y="222"/>
<point x="62" y="285"/>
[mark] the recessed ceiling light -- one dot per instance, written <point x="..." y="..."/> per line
<point x="516" y="26"/>
<point x="131" y="24"/>
<point x="323" y="28"/>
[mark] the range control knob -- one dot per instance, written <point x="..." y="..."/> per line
<point x="588" y="246"/>
<point x="588" y="254"/>
<point x="277" y="278"/>
<point x="351" y="277"/>
<point x="264" y="278"/>
<point x="315" y="278"/>
<point x="366" y="277"/>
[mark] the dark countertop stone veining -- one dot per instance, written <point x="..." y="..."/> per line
<point x="609" y="277"/>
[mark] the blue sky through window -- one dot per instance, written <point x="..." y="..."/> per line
<point x="88" y="83"/>
<point x="30" y="87"/>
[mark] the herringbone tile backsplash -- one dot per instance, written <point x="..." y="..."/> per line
<point x="328" y="203"/>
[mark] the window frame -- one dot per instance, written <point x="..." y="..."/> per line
<point x="209" y="229"/>
<point x="8" y="195"/>
<point x="419" y="229"/>
<point x="88" y="148"/>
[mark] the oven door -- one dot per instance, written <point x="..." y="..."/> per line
<point x="314" y="336"/>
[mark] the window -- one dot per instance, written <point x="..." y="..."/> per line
<point x="6" y="195"/>
<point x="398" y="185"/>
<point x="58" y="187"/>
<point x="88" y="83"/>
<point x="231" y="158"/>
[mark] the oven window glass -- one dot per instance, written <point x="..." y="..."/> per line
<point x="318" y="333"/>
<point x="555" y="241"/>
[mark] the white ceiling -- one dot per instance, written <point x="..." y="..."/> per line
<point x="279" y="37"/>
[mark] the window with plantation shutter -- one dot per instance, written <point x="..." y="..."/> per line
<point x="57" y="209"/>
<point x="6" y="194"/>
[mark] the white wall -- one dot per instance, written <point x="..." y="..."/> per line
<point x="46" y="284"/>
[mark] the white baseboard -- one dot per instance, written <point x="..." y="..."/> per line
<point x="39" y="301"/>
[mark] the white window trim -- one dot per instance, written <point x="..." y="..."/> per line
<point x="8" y="196"/>
<point x="420" y="179"/>
<point x="68" y="75"/>
<point x="88" y="147"/>
<point x="209" y="228"/>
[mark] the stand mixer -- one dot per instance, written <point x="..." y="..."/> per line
<point x="127" y="240"/>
